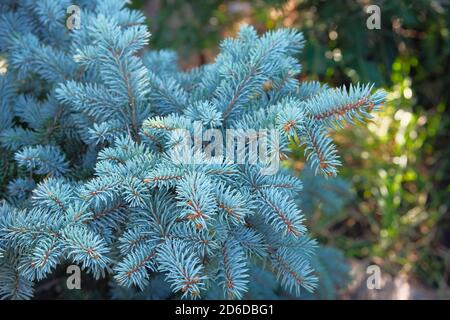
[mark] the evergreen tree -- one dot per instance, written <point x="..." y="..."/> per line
<point x="93" y="124"/>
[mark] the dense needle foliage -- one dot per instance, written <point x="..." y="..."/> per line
<point x="92" y="123"/>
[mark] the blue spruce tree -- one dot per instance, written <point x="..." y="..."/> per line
<point x="93" y="133"/>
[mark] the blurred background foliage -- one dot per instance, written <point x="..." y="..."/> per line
<point x="396" y="169"/>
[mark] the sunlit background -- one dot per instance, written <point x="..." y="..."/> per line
<point x="395" y="208"/>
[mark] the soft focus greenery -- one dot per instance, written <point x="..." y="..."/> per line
<point x="397" y="165"/>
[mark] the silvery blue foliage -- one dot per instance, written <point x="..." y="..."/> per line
<point x="91" y="119"/>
